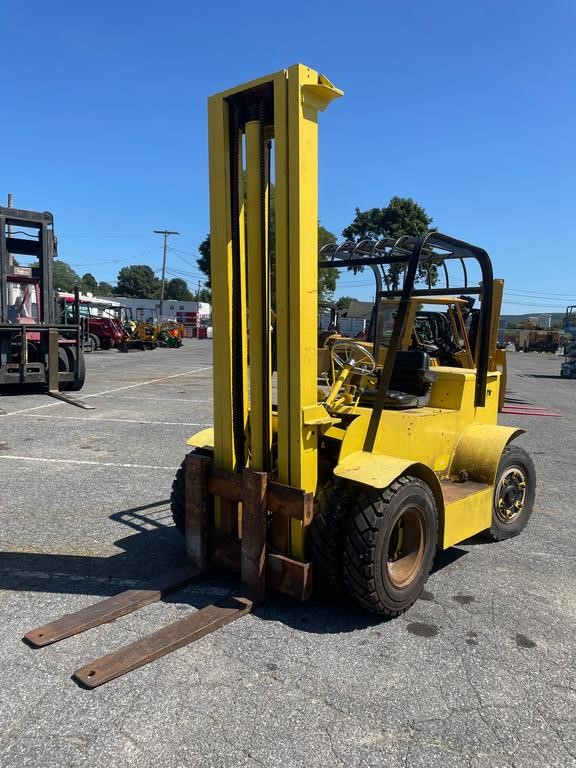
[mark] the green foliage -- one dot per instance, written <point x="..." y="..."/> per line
<point x="138" y="281"/>
<point x="104" y="289"/>
<point x="344" y="302"/>
<point x="64" y="278"/>
<point x="177" y="289"/>
<point x="203" y="260"/>
<point x="402" y="216"/>
<point x="89" y="283"/>
<point x="204" y="294"/>
<point x="327" y="278"/>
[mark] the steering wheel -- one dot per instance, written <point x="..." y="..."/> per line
<point x="346" y="352"/>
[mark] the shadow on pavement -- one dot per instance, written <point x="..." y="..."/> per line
<point x="157" y="548"/>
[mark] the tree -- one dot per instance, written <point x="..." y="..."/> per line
<point x="402" y="216"/>
<point x="138" y="281"/>
<point x="344" y="302"/>
<point x="178" y="290"/>
<point x="327" y="278"/>
<point x="104" y="289"/>
<point x="89" y="283"/>
<point x="64" y="278"/>
<point x="203" y="260"/>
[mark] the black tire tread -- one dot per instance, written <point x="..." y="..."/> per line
<point x="325" y="537"/>
<point x="359" y="555"/>
<point x="177" y="493"/>
<point x="177" y="503"/>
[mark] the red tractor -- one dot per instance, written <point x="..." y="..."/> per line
<point x="104" y="328"/>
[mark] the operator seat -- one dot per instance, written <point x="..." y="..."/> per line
<point x="410" y="382"/>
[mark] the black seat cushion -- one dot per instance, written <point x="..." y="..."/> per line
<point x="410" y="382"/>
<point x="409" y="372"/>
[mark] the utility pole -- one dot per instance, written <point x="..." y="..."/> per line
<point x="198" y="312"/>
<point x="9" y="228"/>
<point x="164" y="232"/>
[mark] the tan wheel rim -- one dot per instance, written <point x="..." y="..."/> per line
<point x="406" y="547"/>
<point x="510" y="495"/>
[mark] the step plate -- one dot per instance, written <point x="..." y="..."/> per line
<point x="110" y="609"/>
<point x="165" y="640"/>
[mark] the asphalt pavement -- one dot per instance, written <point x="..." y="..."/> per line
<point x="480" y="672"/>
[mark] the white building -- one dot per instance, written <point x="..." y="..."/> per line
<point x="182" y="311"/>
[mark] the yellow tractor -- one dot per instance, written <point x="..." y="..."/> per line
<point x="352" y="485"/>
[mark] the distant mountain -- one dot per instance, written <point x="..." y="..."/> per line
<point x="557" y="318"/>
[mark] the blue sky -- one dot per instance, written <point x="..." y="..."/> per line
<point x="467" y="107"/>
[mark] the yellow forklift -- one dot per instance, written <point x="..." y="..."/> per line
<point x="355" y="484"/>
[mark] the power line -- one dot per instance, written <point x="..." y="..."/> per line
<point x="116" y="261"/>
<point x="177" y="253"/>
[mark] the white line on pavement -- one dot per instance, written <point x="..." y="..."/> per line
<point x="161" y="399"/>
<point x="128" y="421"/>
<point x="79" y="461"/>
<point x="117" y="389"/>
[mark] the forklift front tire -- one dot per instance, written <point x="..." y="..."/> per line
<point x="325" y="538"/>
<point x="390" y="545"/>
<point x="514" y="492"/>
<point x="177" y="495"/>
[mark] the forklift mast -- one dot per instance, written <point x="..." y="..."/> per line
<point x="42" y="247"/>
<point x="35" y="346"/>
<point x="270" y="124"/>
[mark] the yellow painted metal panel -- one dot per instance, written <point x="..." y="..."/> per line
<point x="422" y="435"/>
<point x="467" y="516"/>
<point x="221" y="257"/>
<point x="222" y="280"/>
<point x="307" y="93"/>
<point x="202" y="439"/>
<point x="282" y="275"/>
<point x="371" y="469"/>
<point x="479" y="450"/>
<point x="303" y="276"/>
<point x="497" y="295"/>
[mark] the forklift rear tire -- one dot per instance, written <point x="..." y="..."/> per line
<point x="177" y="495"/>
<point x="514" y="492"/>
<point x="390" y="545"/>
